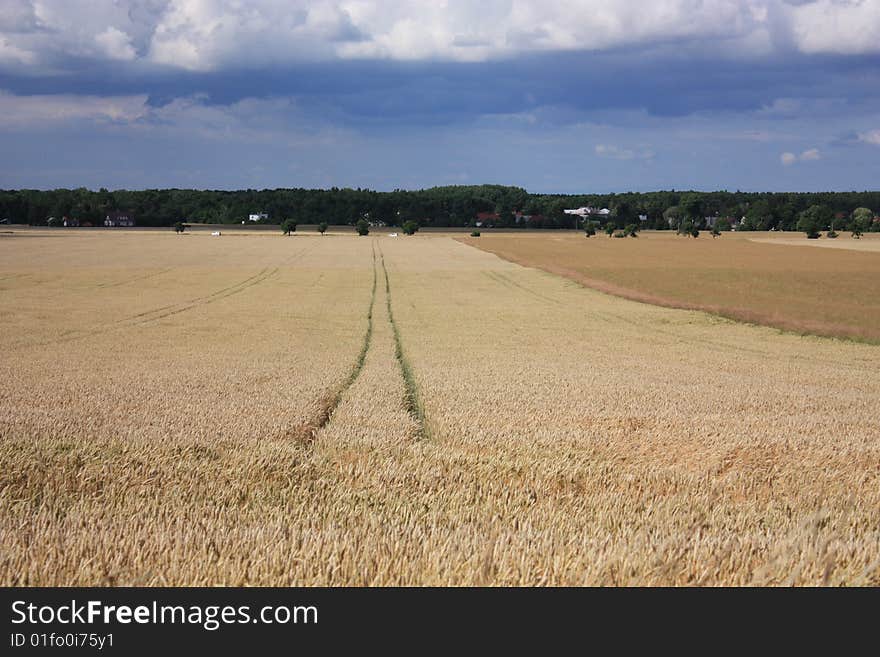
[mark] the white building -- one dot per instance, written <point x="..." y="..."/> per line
<point x="581" y="212"/>
<point x="258" y="217"/>
<point x="588" y="212"/>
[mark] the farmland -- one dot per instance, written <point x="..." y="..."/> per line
<point x="338" y="410"/>
<point x="763" y="278"/>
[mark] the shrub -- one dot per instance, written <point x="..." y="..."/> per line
<point x="831" y="234"/>
<point x="362" y="227"/>
<point x="179" y="227"/>
<point x="475" y="233"/>
<point x="322" y="227"/>
<point x="411" y="227"/>
<point x="288" y="226"/>
<point x="814" y="219"/>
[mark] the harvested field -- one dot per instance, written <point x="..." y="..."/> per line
<point x="869" y="242"/>
<point x="765" y="278"/>
<point x="374" y="411"/>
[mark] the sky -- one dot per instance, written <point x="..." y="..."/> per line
<point x="557" y="96"/>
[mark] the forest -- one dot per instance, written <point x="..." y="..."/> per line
<point x="450" y="206"/>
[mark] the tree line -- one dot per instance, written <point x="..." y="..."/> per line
<point x="451" y="206"/>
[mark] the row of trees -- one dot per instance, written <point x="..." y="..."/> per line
<point x="438" y="206"/>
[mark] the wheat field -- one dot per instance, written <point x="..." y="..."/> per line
<point x="260" y="410"/>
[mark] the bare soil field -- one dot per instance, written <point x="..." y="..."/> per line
<point x="765" y="278"/>
<point x="411" y="411"/>
<point x="870" y="242"/>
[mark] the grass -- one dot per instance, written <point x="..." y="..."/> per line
<point x="576" y="437"/>
<point x="779" y="281"/>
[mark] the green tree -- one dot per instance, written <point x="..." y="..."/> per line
<point x="861" y="221"/>
<point x="673" y="215"/>
<point x="362" y="227"/>
<point x="692" y="207"/>
<point x="865" y="215"/>
<point x="288" y="226"/>
<point x="322" y="227"/>
<point x="814" y="219"/>
<point x="411" y="227"/>
<point x="758" y="216"/>
<point x="179" y="227"/>
<point x="624" y="213"/>
<point x="589" y="228"/>
<point x="631" y="230"/>
<point x="610" y="227"/>
<point x="716" y="231"/>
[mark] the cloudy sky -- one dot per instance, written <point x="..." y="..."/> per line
<point x="555" y="96"/>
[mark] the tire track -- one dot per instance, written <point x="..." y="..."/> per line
<point x="510" y="283"/>
<point x="412" y="398"/>
<point x="207" y="299"/>
<point x="306" y="432"/>
<point x="134" y="279"/>
<point x="145" y="318"/>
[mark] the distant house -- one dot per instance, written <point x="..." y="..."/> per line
<point x="70" y="222"/>
<point x="119" y="220"/>
<point x="587" y="211"/>
<point x="581" y="212"/>
<point x="486" y="219"/>
<point x="260" y="216"/>
<point x="536" y="220"/>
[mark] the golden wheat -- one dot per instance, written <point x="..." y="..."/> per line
<point x="559" y="435"/>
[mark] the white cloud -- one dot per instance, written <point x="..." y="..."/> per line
<point x="836" y="26"/>
<point x="116" y="44"/>
<point x="870" y="137"/>
<point x="24" y="111"/>
<point x="617" y="153"/>
<point x="809" y="155"/>
<point x="215" y="34"/>
<point x="251" y="121"/>
<point x="17" y="16"/>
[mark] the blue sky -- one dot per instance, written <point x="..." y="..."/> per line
<point x="555" y="96"/>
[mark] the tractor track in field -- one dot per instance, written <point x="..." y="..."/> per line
<point x="508" y="282"/>
<point x="305" y="433"/>
<point x="157" y="314"/>
<point x="134" y="279"/>
<point x="147" y="317"/>
<point x="412" y="397"/>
